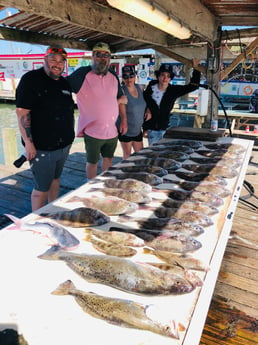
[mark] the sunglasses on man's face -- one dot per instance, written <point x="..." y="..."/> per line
<point x="54" y="50"/>
<point x="127" y="76"/>
<point x="102" y="55"/>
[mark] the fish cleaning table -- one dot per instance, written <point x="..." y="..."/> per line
<point x="26" y="302"/>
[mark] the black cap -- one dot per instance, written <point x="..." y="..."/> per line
<point x="128" y="69"/>
<point x="165" y="68"/>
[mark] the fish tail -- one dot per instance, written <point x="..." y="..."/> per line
<point x="15" y="220"/>
<point x="88" y="237"/>
<point x="64" y="288"/>
<point x="147" y="250"/>
<point x="53" y="253"/>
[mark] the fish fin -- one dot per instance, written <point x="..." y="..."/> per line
<point x="17" y="221"/>
<point x="64" y="288"/>
<point x="147" y="250"/>
<point x="52" y="253"/>
<point x="87" y="238"/>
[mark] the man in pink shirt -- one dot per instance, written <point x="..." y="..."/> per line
<point x="100" y="100"/>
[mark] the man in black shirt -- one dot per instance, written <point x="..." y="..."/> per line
<point x="45" y="111"/>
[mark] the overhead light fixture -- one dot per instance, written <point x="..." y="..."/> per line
<point x="152" y="14"/>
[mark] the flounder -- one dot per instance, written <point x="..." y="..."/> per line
<point x="117" y="311"/>
<point x="79" y="217"/>
<point x="135" y="196"/>
<point x="128" y="184"/>
<point x="120" y="273"/>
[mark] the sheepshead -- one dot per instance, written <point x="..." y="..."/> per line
<point x="233" y="163"/>
<point x="208" y="197"/>
<point x="166" y="163"/>
<point x="129" y="195"/>
<point x="54" y="232"/>
<point x="224" y="171"/>
<point x="128" y="184"/>
<point x="143" y="176"/>
<point x="192" y="277"/>
<point x="116" y="311"/>
<point x="153" y="169"/>
<point x="203" y="186"/>
<point x="230" y="147"/>
<point x="177" y="155"/>
<point x="174" y="242"/>
<point x="195" y="144"/>
<point x="184" y="260"/>
<point x="164" y="146"/>
<point x="111" y="205"/>
<point x="194" y="205"/>
<point x="110" y="248"/>
<point x="184" y="214"/>
<point x="116" y="237"/>
<point x="120" y="273"/>
<point x="173" y="224"/>
<point x="79" y="217"/>
<point x="198" y="177"/>
<point x="150" y="234"/>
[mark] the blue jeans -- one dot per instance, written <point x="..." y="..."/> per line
<point x="154" y="136"/>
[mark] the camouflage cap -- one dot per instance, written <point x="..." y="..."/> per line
<point x="101" y="47"/>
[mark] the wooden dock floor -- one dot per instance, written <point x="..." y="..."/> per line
<point x="233" y="313"/>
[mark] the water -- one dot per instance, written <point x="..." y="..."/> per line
<point x="8" y="119"/>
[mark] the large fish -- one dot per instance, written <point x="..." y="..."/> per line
<point x="224" y="171"/>
<point x="117" y="311"/>
<point x="166" y="163"/>
<point x="161" y="147"/>
<point x="111" y="205"/>
<point x="198" y="177"/>
<point x="152" y="169"/>
<point x="54" y="232"/>
<point x="230" y="162"/>
<point x="143" y="176"/>
<point x="121" y="273"/>
<point x="128" y="184"/>
<point x="177" y="155"/>
<point x="116" y="237"/>
<point x="194" y="205"/>
<point x="184" y="214"/>
<point x="195" y="144"/>
<point x="218" y="153"/>
<point x="208" y="197"/>
<point x="183" y="260"/>
<point x="230" y="147"/>
<point x="79" y="217"/>
<point x="110" y="248"/>
<point x="129" y="195"/>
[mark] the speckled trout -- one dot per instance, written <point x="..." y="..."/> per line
<point x="121" y="273"/>
<point x="117" y="310"/>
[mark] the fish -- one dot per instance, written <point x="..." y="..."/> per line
<point x="230" y="147"/>
<point x="184" y="260"/>
<point x="57" y="234"/>
<point x="143" y="176"/>
<point x="194" y="205"/>
<point x="166" y="163"/>
<point x="116" y="311"/>
<point x="174" y="241"/>
<point x="184" y="214"/>
<point x="110" y="248"/>
<point x="192" y="277"/>
<point x="195" y="144"/>
<point x="176" y="155"/>
<point x="120" y="273"/>
<point x="110" y="205"/>
<point x="129" y="195"/>
<point x="233" y="163"/>
<point x="220" y="170"/>
<point x="208" y="197"/>
<point x="116" y="237"/>
<point x="128" y="184"/>
<point x="152" y="169"/>
<point x="218" y="153"/>
<point x="79" y="217"/>
<point x="198" y="177"/>
<point x="162" y="147"/>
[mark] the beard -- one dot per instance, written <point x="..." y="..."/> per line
<point x="100" y="67"/>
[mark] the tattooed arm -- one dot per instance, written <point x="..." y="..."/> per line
<point x="24" y="122"/>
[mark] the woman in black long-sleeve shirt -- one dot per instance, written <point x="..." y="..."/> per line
<point x="160" y="97"/>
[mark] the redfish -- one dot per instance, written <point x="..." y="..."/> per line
<point x="121" y="312"/>
<point x="79" y="217"/>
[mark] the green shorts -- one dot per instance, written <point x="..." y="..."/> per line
<point x="94" y="147"/>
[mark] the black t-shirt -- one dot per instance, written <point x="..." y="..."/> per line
<point x="52" y="109"/>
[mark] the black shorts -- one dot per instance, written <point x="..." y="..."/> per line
<point x="126" y="139"/>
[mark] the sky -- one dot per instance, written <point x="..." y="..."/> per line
<point x="11" y="47"/>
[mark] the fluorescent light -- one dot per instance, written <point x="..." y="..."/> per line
<point x="152" y="15"/>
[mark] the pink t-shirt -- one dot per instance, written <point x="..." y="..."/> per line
<point x="98" y="107"/>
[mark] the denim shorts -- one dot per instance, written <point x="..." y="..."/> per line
<point x="155" y="136"/>
<point x="48" y="166"/>
<point x="94" y="147"/>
